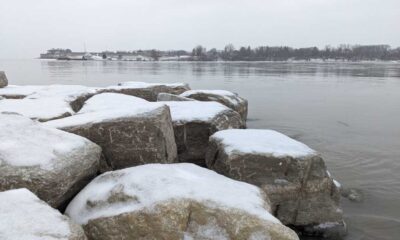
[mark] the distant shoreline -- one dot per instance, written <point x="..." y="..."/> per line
<point x="344" y="52"/>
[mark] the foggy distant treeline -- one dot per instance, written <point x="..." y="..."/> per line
<point x="267" y="53"/>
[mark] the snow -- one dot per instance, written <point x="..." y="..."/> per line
<point x="36" y="91"/>
<point x="155" y="183"/>
<point x="12" y="90"/>
<point x="42" y="102"/>
<point x="42" y="108"/>
<point x="194" y="110"/>
<point x="24" y="142"/>
<point x="337" y="184"/>
<point x="110" y="101"/>
<point x="227" y="95"/>
<point x="257" y="141"/>
<point x="107" y="106"/>
<point x="25" y="216"/>
<point x="148" y="85"/>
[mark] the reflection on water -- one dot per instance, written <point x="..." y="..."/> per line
<point x="350" y="112"/>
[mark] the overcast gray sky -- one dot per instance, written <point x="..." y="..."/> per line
<point x="28" y="27"/>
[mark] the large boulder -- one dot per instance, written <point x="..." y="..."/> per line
<point x="25" y="216"/>
<point x="148" y="91"/>
<point x="44" y="103"/>
<point x="293" y="175"/>
<point x="194" y="122"/>
<point x="227" y="98"/>
<point x="130" y="130"/>
<point x="3" y="79"/>
<point x="53" y="164"/>
<point x="174" y="201"/>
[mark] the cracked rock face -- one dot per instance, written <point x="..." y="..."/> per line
<point x="131" y="131"/>
<point x="229" y="99"/>
<point x="194" y="122"/>
<point x="174" y="201"/>
<point x="25" y="216"/>
<point x="301" y="191"/>
<point x="53" y="164"/>
<point x="3" y="79"/>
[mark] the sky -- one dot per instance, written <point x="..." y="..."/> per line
<point x="29" y="27"/>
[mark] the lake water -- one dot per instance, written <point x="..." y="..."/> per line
<point x="349" y="112"/>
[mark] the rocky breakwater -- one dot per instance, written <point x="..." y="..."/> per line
<point x="302" y="192"/>
<point x="70" y="134"/>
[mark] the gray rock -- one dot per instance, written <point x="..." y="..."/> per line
<point x="174" y="201"/>
<point x="194" y="122"/>
<point x="130" y="130"/>
<point x="25" y="216"/>
<point x="53" y="164"/>
<point x="3" y="79"/>
<point x="229" y="99"/>
<point x="162" y="97"/>
<point x="148" y="91"/>
<point x="294" y="176"/>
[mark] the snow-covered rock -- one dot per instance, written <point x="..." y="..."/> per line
<point x="3" y="79"/>
<point x="148" y="91"/>
<point x="25" y="216"/>
<point x="293" y="175"/>
<point x="53" y="164"/>
<point x="162" y="97"/>
<point x="44" y="103"/>
<point x="130" y="130"/>
<point x="194" y="122"/>
<point x="174" y="201"/>
<point x="227" y="98"/>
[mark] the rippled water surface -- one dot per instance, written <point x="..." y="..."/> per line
<point x="349" y="112"/>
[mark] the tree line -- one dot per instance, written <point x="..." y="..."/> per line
<point x="284" y="53"/>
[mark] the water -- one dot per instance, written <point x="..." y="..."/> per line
<point x="349" y="112"/>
